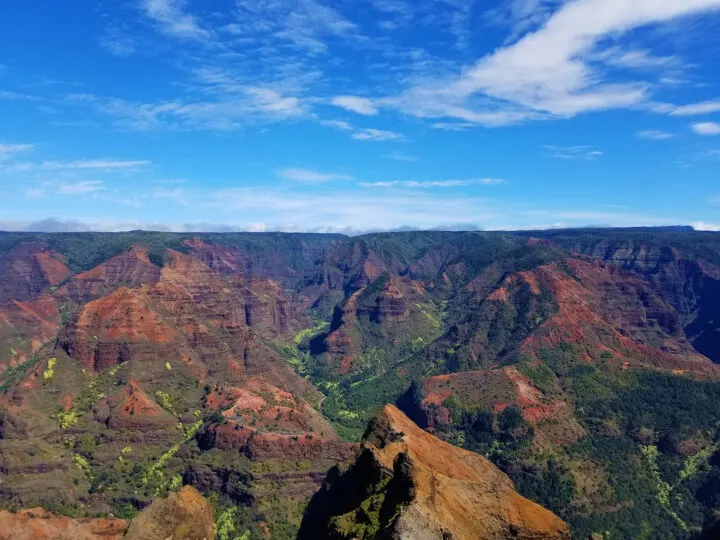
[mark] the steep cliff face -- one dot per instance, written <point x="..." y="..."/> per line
<point x="28" y="269"/>
<point x="406" y="484"/>
<point x="606" y="315"/>
<point x="681" y="267"/>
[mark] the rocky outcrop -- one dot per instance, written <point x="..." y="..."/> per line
<point x="258" y="445"/>
<point x="185" y="515"/>
<point x="406" y="484"/>
<point x="113" y="329"/>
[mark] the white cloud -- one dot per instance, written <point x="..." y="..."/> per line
<point x="95" y="164"/>
<point x="118" y="42"/>
<point x="304" y="23"/>
<point x="551" y="71"/>
<point x="434" y="183"/>
<point x="356" y="104"/>
<point x="367" y="134"/>
<point x="87" y="164"/>
<point x="81" y="188"/>
<point x="407" y="158"/>
<point x="453" y="126"/>
<point x="521" y="15"/>
<point x="310" y="176"/>
<point x="574" y="152"/>
<point x="706" y="128"/>
<point x="229" y="111"/>
<point x="337" y="124"/>
<point x="357" y="209"/>
<point x="35" y="193"/>
<point x="694" y="109"/>
<point x="7" y="150"/>
<point x="636" y="59"/>
<point x="655" y="135"/>
<point x="174" y="21"/>
<point x="376" y="135"/>
<point x="704" y="226"/>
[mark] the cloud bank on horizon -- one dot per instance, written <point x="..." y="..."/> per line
<point x="359" y="115"/>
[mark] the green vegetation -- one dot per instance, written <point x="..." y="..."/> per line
<point x="226" y="528"/>
<point x="166" y="401"/>
<point x="67" y="419"/>
<point x="11" y="375"/>
<point x="49" y="373"/>
<point x="304" y="336"/>
<point x="155" y="475"/>
<point x="82" y="464"/>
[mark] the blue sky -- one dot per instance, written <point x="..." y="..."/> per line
<point x="356" y="115"/>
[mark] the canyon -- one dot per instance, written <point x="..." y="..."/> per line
<point x="249" y="365"/>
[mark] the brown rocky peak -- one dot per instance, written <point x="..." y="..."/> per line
<point x="131" y="268"/>
<point x="185" y="515"/>
<point x="407" y="484"/>
<point x="131" y="408"/>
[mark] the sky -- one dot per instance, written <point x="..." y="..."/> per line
<point x="358" y="115"/>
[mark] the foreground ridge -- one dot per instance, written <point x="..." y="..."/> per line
<point x="185" y="515"/>
<point x="407" y="484"/>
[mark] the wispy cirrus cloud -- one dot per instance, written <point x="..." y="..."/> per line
<point x="359" y="105"/>
<point x="586" y="153"/>
<point x="337" y="124"/>
<point x="81" y="188"/>
<point x="174" y="21"/>
<point x="363" y="134"/>
<point x="118" y="42"/>
<point x="377" y="135"/>
<point x="426" y="184"/>
<point x="311" y="176"/>
<point x="107" y="164"/>
<point x="453" y="126"/>
<point x="655" y="135"/>
<point x="636" y="59"/>
<point x="400" y="156"/>
<point x="695" y="109"/>
<point x="520" y="16"/>
<point x="80" y="165"/>
<point x="8" y="150"/>
<point x="303" y="23"/>
<point x="249" y="105"/>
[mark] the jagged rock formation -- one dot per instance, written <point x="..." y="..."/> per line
<point x="406" y="484"/>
